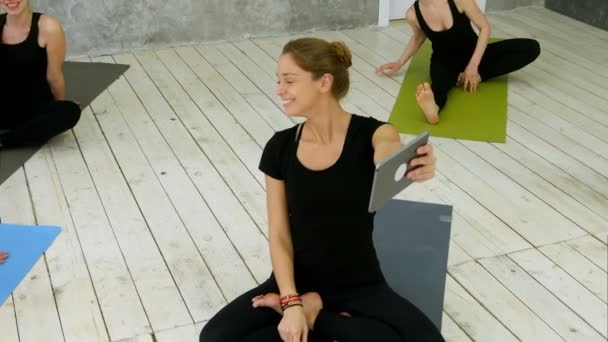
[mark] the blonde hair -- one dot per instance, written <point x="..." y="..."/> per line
<point x="321" y="57"/>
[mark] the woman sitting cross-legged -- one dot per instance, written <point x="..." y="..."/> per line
<point x="326" y="283"/>
<point x="32" y="90"/>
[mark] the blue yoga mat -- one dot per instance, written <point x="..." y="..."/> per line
<point x="25" y="245"/>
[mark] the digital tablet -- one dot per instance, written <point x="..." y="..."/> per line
<point x="389" y="177"/>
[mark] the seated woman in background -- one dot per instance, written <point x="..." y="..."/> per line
<point x="32" y="88"/>
<point x="460" y="57"/>
<point x="319" y="176"/>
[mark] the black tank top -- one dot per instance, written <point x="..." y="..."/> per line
<point x="23" y="66"/>
<point x="453" y="46"/>
<point x="331" y="228"/>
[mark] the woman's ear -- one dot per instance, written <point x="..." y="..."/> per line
<point x="327" y="81"/>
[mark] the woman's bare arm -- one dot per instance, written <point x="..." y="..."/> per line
<point x="418" y="37"/>
<point x="479" y="19"/>
<point x="279" y="235"/>
<point x="53" y="38"/>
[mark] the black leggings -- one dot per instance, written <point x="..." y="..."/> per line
<point x="26" y="127"/>
<point x="378" y="314"/>
<point x="499" y="58"/>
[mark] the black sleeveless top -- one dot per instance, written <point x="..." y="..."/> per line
<point x="330" y="226"/>
<point x="453" y="46"/>
<point x="23" y="66"/>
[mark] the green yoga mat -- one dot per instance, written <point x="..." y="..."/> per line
<point x="480" y="116"/>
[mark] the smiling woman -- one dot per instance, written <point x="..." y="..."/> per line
<point x="32" y="91"/>
<point x="318" y="180"/>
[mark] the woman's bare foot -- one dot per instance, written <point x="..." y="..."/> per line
<point x="312" y="306"/>
<point x="426" y="102"/>
<point x="269" y="300"/>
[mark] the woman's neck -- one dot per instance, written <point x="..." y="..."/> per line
<point x="329" y="120"/>
<point x="23" y="19"/>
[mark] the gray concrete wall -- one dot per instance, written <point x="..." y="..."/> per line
<point x="501" y="5"/>
<point x="593" y="12"/>
<point x="102" y="26"/>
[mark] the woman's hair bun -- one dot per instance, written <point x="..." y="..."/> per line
<point x="343" y="53"/>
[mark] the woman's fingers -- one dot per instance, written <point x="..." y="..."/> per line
<point x="421" y="174"/>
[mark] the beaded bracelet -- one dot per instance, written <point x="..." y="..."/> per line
<point x="289" y="298"/>
<point x="290" y="304"/>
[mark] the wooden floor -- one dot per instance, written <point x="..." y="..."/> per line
<point x="163" y="208"/>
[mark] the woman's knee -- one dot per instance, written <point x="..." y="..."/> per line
<point x="213" y="333"/>
<point x="70" y="112"/>
<point x="533" y="48"/>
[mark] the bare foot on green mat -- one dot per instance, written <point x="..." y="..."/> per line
<point x="426" y="102"/>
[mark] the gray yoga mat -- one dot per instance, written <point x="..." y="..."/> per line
<point x="84" y="82"/>
<point x="412" y="241"/>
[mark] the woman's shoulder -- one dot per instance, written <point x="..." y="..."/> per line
<point x="282" y="137"/>
<point x="366" y="126"/>
<point x="49" y="25"/>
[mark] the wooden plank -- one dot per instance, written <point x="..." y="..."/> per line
<point x="556" y="198"/>
<point x="241" y="111"/>
<point x="222" y="152"/>
<point x="526" y="90"/>
<point x="502" y="196"/>
<point x="603" y="237"/>
<point x="367" y="58"/>
<point x="141" y="338"/>
<point x="511" y="312"/>
<point x="571" y="166"/>
<point x="234" y="134"/>
<point x="579" y="267"/>
<point x="377" y="41"/>
<point x="563" y="91"/>
<point x="116" y="293"/>
<point x="239" y="231"/>
<point x="128" y="135"/>
<point x="566" y="22"/>
<point x="544" y="304"/>
<point x="451" y="331"/>
<point x="560" y="179"/>
<point x="265" y="62"/>
<point x="568" y="37"/>
<point x="471" y="316"/>
<point x="566" y="288"/>
<point x="8" y="321"/>
<point x="557" y="123"/>
<point x="33" y="299"/>
<point x="488" y="235"/>
<point x="75" y="296"/>
<point x="538" y="26"/>
<point x="244" y="55"/>
<point x="159" y="294"/>
<point x="504" y="24"/>
<point x="184" y="333"/>
<point x="245" y="88"/>
<point x="593" y="250"/>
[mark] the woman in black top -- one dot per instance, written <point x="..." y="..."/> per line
<point x="318" y="182"/>
<point x="32" y="90"/>
<point x="460" y="56"/>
